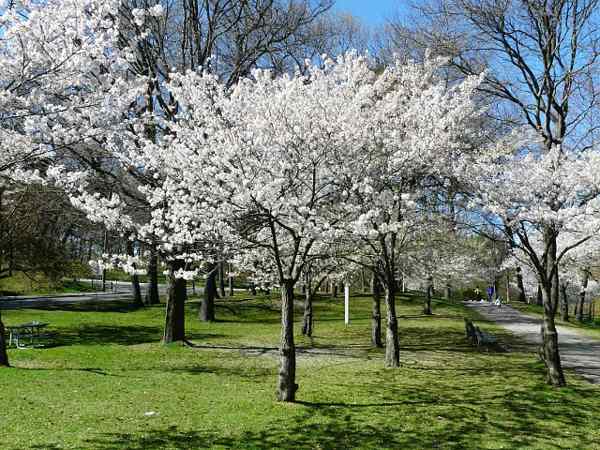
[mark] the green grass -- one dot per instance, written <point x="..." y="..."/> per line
<point x="38" y="284"/>
<point x="92" y="389"/>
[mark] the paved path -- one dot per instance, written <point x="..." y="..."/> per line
<point x="115" y="290"/>
<point x="57" y="300"/>
<point x="577" y="351"/>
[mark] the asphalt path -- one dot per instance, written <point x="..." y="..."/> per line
<point x="577" y="351"/>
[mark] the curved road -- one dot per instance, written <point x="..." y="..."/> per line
<point x="577" y="351"/>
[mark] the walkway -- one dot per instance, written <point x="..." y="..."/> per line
<point x="577" y="351"/>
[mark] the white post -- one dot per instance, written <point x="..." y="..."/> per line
<point x="346" y="303"/>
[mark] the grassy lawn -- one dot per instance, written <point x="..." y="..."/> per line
<point x="109" y="384"/>
<point x="38" y="284"/>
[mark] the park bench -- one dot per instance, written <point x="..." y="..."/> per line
<point x="478" y="337"/>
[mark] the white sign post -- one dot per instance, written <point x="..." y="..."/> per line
<point x="346" y="304"/>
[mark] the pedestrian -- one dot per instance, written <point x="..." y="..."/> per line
<point x="477" y="294"/>
<point x="490" y="293"/>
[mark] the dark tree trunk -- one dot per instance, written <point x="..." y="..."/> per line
<point x="137" y="291"/>
<point x="222" y="279"/>
<point x="362" y="281"/>
<point x="3" y="353"/>
<point x="550" y="351"/>
<point x="307" y="321"/>
<point x="152" y="296"/>
<point x="335" y="289"/>
<point x="286" y="385"/>
<point x="564" y="305"/>
<point x="581" y="302"/>
<point x="392" y="342"/>
<point x="175" y="317"/>
<point x="520" y="286"/>
<point x="207" y="308"/>
<point x="448" y="292"/>
<point x="104" y="250"/>
<point x="230" y="281"/>
<point x="376" y="314"/>
<point x="135" y="280"/>
<point x="428" y="294"/>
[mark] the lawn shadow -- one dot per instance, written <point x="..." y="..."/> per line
<point x="461" y="420"/>
<point x="100" y="334"/>
<point x="97" y="334"/>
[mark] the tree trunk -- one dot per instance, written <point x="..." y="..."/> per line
<point x="230" y="281"/>
<point x="540" y="296"/>
<point x="152" y="296"/>
<point x="137" y="291"/>
<point x="392" y="342"/>
<point x="222" y="279"/>
<point x="428" y="294"/>
<point x="376" y="314"/>
<point x="286" y="385"/>
<point x="550" y="351"/>
<point x="362" y="281"/>
<point x="564" y="303"/>
<point x="104" y="250"/>
<point x="448" y="293"/>
<point x="3" y="353"/>
<point x="135" y="280"/>
<point x="520" y="286"/>
<point x="175" y="317"/>
<point x="207" y="308"/>
<point x="307" y="322"/>
<point x="581" y="302"/>
<point x="335" y="289"/>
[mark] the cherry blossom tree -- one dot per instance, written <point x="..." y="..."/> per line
<point x="333" y="154"/>
<point x="61" y="83"/>
<point x="419" y="126"/>
<point x="545" y="204"/>
<point x="266" y="150"/>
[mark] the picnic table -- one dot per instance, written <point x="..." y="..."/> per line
<point x="26" y="331"/>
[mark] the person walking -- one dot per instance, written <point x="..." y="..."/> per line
<point x="490" y="293"/>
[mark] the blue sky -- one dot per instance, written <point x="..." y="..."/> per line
<point x="373" y="12"/>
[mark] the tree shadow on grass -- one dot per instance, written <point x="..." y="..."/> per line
<point x="456" y="423"/>
<point x="97" y="334"/>
<point x="121" y="306"/>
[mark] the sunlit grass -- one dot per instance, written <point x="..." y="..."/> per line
<point x="110" y="384"/>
